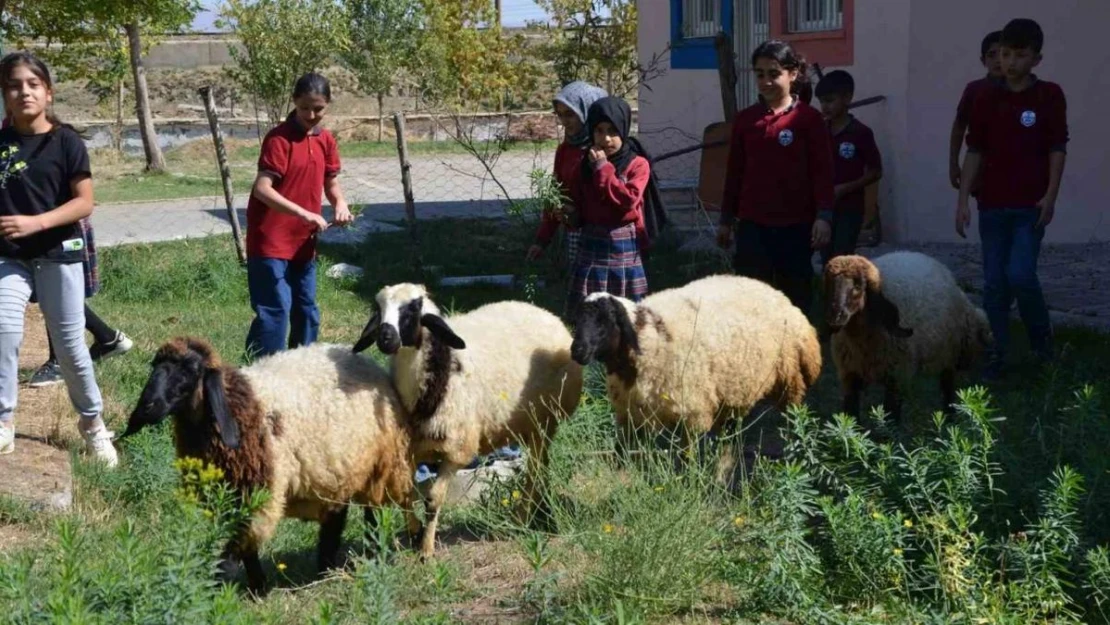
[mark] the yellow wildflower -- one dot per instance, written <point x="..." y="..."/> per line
<point x="898" y="552"/>
<point x="876" y="515"/>
<point x="739" y="521"/>
<point x="907" y="524"/>
<point x="516" y="495"/>
<point x="658" y="489"/>
<point x="505" y="502"/>
<point x="281" y="566"/>
<point x="607" y="528"/>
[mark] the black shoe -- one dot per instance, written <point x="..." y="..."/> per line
<point x="120" y="345"/>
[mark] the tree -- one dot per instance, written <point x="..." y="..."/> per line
<point x="282" y="39"/>
<point x="592" y="40"/>
<point x="385" y="35"/>
<point x="466" y="58"/>
<point x="86" y="25"/>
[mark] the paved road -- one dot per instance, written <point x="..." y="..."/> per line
<point x="443" y="186"/>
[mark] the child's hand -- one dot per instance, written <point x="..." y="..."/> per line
<point x="1047" y="206"/>
<point x="19" y="226"/>
<point x="534" y="252"/>
<point x="724" y="236"/>
<point x="821" y="234"/>
<point x="840" y="191"/>
<point x="343" y="215"/>
<point x="596" y="155"/>
<point x="963" y="218"/>
<point x="317" y="220"/>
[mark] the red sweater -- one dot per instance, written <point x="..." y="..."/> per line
<point x="299" y="163"/>
<point x="780" y="167"/>
<point x="1015" y="132"/>
<point x="568" y="169"/>
<point x="612" y="201"/>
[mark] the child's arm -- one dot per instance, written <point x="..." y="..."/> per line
<point x="819" y="152"/>
<point x="624" y="198"/>
<point x="1057" y="156"/>
<point x="264" y="190"/>
<point x="76" y="209"/>
<point x="978" y="118"/>
<point x="331" y="183"/>
<point x="956" y="139"/>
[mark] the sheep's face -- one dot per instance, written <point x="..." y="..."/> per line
<point x="400" y="313"/>
<point x="601" y="329"/>
<point x="170" y="389"/>
<point x="852" y="287"/>
<point x="846" y="295"/>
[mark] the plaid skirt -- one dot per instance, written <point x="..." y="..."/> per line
<point x="608" y="261"/>
<point x="572" y="237"/>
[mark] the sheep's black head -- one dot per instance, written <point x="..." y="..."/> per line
<point x="179" y="369"/>
<point x="602" y="329"/>
<point x="852" y="285"/>
<point x="400" y="311"/>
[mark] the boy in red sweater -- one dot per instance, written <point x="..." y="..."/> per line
<point x="856" y="162"/>
<point x="779" y="185"/>
<point x="989" y="57"/>
<point x="1017" y="140"/>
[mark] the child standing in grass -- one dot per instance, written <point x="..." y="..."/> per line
<point x="614" y="180"/>
<point x="299" y="159"/>
<point x="45" y="191"/>
<point x="856" y="162"/>
<point x="1016" y="144"/>
<point x="779" y="182"/>
<point x="989" y="57"/>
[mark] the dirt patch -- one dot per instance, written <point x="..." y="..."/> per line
<point x="17" y="537"/>
<point x="496" y="573"/>
<point x="37" y="473"/>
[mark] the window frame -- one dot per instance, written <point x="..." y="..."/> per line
<point x="697" y="52"/>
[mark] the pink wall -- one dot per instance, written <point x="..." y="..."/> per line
<point x="919" y="54"/>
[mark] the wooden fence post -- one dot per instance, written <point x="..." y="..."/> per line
<point x="406" y="185"/>
<point x="225" y="170"/>
<point x="726" y="70"/>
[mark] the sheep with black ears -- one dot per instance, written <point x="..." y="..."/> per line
<point x="689" y="357"/>
<point x="896" y="316"/>
<point x="317" y="426"/>
<point x="474" y="382"/>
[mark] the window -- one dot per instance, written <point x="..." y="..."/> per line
<point x="700" y="18"/>
<point x="694" y="28"/>
<point x="813" y="16"/>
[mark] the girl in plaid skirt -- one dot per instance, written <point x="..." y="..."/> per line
<point x="614" y="181"/>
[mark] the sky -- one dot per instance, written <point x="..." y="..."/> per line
<point x="514" y="13"/>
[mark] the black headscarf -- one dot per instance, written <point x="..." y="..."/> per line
<point x="617" y="112"/>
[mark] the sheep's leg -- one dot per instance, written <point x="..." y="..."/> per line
<point x="853" y="390"/>
<point x="437" y="496"/>
<point x="948" y="389"/>
<point x="892" y="399"/>
<point x="256" y="578"/>
<point x="331" y="538"/>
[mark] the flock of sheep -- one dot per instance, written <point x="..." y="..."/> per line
<point x="322" y="427"/>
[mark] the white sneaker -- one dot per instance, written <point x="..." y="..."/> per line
<point x="98" y="442"/>
<point x="7" y="439"/>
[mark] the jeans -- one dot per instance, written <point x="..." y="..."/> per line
<point x="1011" y="246"/>
<point x="61" y="296"/>
<point x="779" y="256"/>
<point x="845" y="234"/>
<point x="283" y="297"/>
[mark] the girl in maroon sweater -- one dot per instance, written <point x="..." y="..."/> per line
<point x="611" y="193"/>
<point x="779" y="186"/>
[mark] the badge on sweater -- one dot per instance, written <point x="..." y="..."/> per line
<point x="786" y="137"/>
<point x="73" y="245"/>
<point x="847" y="150"/>
<point x="1028" y="118"/>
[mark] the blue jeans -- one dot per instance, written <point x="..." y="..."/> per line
<point x="1011" y="246"/>
<point x="283" y="297"/>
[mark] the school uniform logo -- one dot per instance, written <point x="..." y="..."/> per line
<point x="847" y="150"/>
<point x="1028" y="118"/>
<point x="786" y="137"/>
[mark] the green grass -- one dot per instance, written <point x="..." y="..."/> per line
<point x="192" y="172"/>
<point x="963" y="521"/>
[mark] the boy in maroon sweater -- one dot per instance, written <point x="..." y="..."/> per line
<point x="1016" y="140"/>
<point x="856" y="162"/>
<point x="989" y="57"/>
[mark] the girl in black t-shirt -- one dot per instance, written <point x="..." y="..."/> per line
<point x="45" y="191"/>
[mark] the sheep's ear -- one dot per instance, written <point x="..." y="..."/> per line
<point x="439" y="329"/>
<point x="215" y="399"/>
<point x="369" y="333"/>
<point x="885" y="313"/>
<point x="628" y="333"/>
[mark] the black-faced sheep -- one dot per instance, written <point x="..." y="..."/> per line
<point x="690" y="357"/>
<point x="474" y="382"/>
<point x="899" y="315"/>
<point x="318" y="426"/>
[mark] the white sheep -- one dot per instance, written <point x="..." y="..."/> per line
<point x="474" y="382"/>
<point x="897" y="316"/>
<point x="317" y="426"/>
<point x="689" y="357"/>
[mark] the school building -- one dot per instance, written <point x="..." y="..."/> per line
<point x="918" y="54"/>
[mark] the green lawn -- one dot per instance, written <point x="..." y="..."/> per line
<point x="192" y="171"/>
<point x="862" y="524"/>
